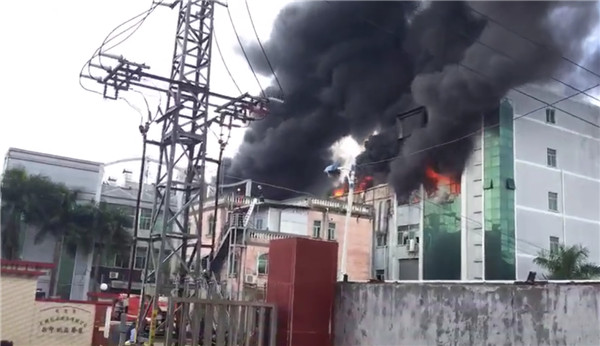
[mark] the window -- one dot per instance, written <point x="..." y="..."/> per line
<point x="140" y="257"/>
<point x="380" y="216"/>
<point x="233" y="264"/>
<point x="554" y="245"/>
<point x="488" y="185"/>
<point x="380" y="275"/>
<point x="259" y="224"/>
<point x="406" y="232"/>
<point x="331" y="231"/>
<point x="553" y="201"/>
<point x="263" y="264"/>
<point x="145" y="218"/>
<point x="381" y="239"/>
<point x="211" y="224"/>
<point x="550" y="116"/>
<point x="510" y="184"/>
<point x="121" y="260"/>
<point x="317" y="229"/>
<point x="551" y="157"/>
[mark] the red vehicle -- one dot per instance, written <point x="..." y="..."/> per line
<point x="133" y="309"/>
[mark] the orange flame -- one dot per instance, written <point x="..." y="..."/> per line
<point x="339" y="192"/>
<point x="362" y="185"/>
<point x="439" y="180"/>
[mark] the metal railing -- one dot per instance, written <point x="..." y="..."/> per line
<point x="268" y="235"/>
<point x="220" y="322"/>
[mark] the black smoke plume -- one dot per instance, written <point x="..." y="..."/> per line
<point x="349" y="68"/>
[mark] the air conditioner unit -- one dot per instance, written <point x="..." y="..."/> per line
<point x="250" y="279"/>
<point x="412" y="245"/>
<point x="113" y="275"/>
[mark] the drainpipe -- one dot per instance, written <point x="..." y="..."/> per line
<point x="422" y="237"/>
<point x="564" y="209"/>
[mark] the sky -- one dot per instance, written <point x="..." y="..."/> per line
<point x="46" y="110"/>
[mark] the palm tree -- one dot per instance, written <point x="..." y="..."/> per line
<point x="12" y="209"/>
<point x="33" y="200"/>
<point x="52" y="208"/>
<point x="110" y="234"/>
<point x="567" y="263"/>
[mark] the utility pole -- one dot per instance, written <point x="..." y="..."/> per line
<point x="183" y="142"/>
<point x="343" y="272"/>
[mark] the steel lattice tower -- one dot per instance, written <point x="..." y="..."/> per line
<point x="183" y="142"/>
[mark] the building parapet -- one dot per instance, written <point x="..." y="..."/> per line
<point x="332" y="204"/>
<point x="269" y="235"/>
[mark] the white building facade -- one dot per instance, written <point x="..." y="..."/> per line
<point x="532" y="182"/>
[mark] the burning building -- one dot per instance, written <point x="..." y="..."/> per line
<point x="349" y="68"/>
<point x="516" y="196"/>
<point x="244" y="222"/>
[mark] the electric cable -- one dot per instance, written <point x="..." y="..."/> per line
<point x="530" y="40"/>
<point x="273" y="186"/>
<point x="224" y="63"/>
<point x="263" y="48"/>
<point x="514" y="89"/>
<point x="283" y="188"/>
<point x="551" y="77"/>
<point x="108" y="39"/>
<point x="533" y="97"/>
<point x="555" y="102"/>
<point x="244" y="50"/>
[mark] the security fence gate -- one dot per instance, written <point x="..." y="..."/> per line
<point x="220" y="322"/>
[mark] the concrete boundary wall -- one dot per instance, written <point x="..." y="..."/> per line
<point x="467" y="314"/>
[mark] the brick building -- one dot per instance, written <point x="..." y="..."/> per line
<point x="243" y="227"/>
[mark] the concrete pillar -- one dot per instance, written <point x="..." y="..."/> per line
<point x="301" y="283"/>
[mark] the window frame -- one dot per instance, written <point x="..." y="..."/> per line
<point x="553" y="197"/>
<point x="317" y="225"/>
<point x="406" y="232"/>
<point x="331" y="231"/>
<point x="266" y="264"/>
<point x="140" y="252"/>
<point x="145" y="221"/>
<point x="554" y="244"/>
<point x="551" y="157"/>
<point x="380" y="274"/>
<point x="550" y="116"/>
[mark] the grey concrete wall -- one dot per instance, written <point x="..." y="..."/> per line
<point x="466" y="314"/>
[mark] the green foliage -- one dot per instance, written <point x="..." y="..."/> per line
<point x="53" y="209"/>
<point x="567" y="263"/>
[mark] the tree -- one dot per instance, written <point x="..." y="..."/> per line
<point x="54" y="209"/>
<point x="33" y="200"/>
<point x="110" y="234"/>
<point x="567" y="263"/>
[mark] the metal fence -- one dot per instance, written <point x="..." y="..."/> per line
<point x="220" y="322"/>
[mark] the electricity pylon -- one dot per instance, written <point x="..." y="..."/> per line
<point x="183" y="141"/>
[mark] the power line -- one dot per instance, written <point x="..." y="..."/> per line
<point x="263" y="49"/>
<point x="223" y="60"/>
<point x="495" y="21"/>
<point x="469" y="134"/>
<point x="108" y="39"/>
<point x="514" y="239"/>
<point x="488" y="77"/>
<point x="552" y="77"/>
<point x="559" y="101"/>
<point x="273" y="185"/>
<point x="244" y="50"/>
<point x="533" y="97"/>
